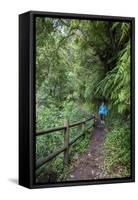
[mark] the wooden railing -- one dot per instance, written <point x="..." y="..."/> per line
<point x="65" y="148"/>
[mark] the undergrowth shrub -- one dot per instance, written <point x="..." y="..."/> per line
<point x="118" y="151"/>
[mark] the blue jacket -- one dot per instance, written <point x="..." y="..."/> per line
<point x="103" y="110"/>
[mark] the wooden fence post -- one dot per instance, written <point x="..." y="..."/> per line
<point x="66" y="142"/>
<point x="94" y="121"/>
<point x="83" y="126"/>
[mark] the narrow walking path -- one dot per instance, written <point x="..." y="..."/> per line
<point x="89" y="166"/>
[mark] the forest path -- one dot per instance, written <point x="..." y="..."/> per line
<point x="90" y="165"/>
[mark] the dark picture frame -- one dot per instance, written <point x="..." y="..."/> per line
<point x="27" y="100"/>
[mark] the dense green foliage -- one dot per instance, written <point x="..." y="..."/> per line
<point x="78" y="64"/>
<point x="118" y="152"/>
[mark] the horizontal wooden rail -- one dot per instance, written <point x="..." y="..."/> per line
<point x="75" y="139"/>
<point x="42" y="161"/>
<point x="78" y="123"/>
<point x="51" y="130"/>
<point x="64" y="149"/>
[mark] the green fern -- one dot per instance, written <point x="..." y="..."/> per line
<point x="116" y="84"/>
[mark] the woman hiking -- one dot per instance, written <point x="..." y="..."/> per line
<point x="102" y="112"/>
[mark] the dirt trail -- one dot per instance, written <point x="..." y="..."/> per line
<point x="89" y="166"/>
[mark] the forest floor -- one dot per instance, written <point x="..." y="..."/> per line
<point x="90" y="165"/>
